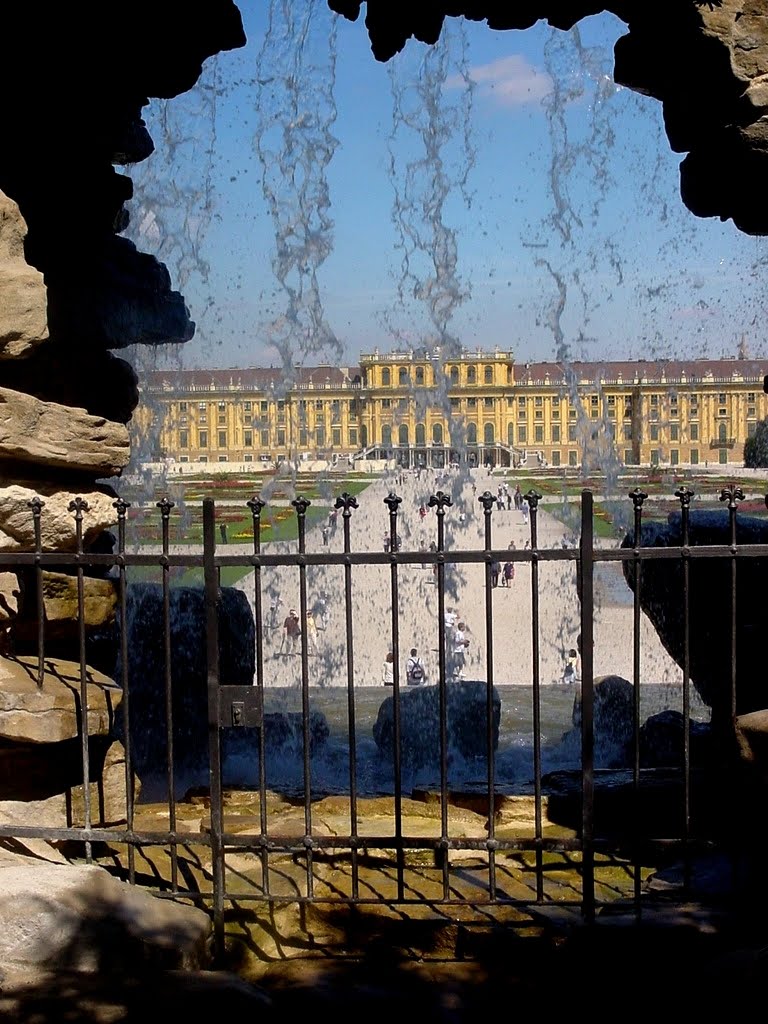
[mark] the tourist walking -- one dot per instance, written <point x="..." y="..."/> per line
<point x="414" y="669"/>
<point x="275" y="605"/>
<point x="313" y="646"/>
<point x="508" y="575"/>
<point x="518" y="498"/>
<point x="571" y="669"/>
<point x="459" y="645"/>
<point x="388" y="670"/>
<point x="291" y="633"/>
<point x="495" y="573"/>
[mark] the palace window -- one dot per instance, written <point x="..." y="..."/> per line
<point x="420" y="375"/>
<point x="750" y="411"/>
<point x="319" y="436"/>
<point x="222" y="418"/>
<point x="222" y="439"/>
<point x="353" y="436"/>
<point x="183" y="439"/>
<point x="386" y="377"/>
<point x="510" y="433"/>
<point x="556" y="435"/>
<point x="488" y="403"/>
<point x="247" y="406"/>
<point x="222" y="458"/>
<point x="222" y="406"/>
<point x="674" y="432"/>
<point x="510" y="403"/>
<point x="402" y="376"/>
<point x="522" y="434"/>
<point x="455" y="403"/>
<point x="421" y="434"/>
<point x="538" y="401"/>
<point x="674" y="457"/>
<point x="555" y="414"/>
<point x="248" y="438"/>
<point x="489" y="434"/>
<point x="538" y="415"/>
<point x="264" y="406"/>
<point x="538" y="435"/>
<point x="571" y="431"/>
<point x="454" y="374"/>
<point x="437" y="433"/>
<point x="202" y="439"/>
<point x="336" y="437"/>
<point x="265" y="439"/>
<point x="555" y="458"/>
<point x="627" y="431"/>
<point x="281" y="437"/>
<point x="750" y="396"/>
<point x="572" y="457"/>
<point x="654" y="433"/>
<point x="386" y="403"/>
<point x="471" y="375"/>
<point x="472" y="433"/>
<point x="521" y="412"/>
<point x="488" y="374"/>
<point x="402" y="404"/>
<point x="694" y="431"/>
<point x="471" y="403"/>
<point x="183" y="406"/>
<point x="694" y="456"/>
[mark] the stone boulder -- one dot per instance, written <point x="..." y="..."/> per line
<point x="709" y="596"/>
<point x="82" y="919"/>
<point x="612" y="717"/>
<point x="51" y="713"/>
<point x="145" y="643"/>
<point x="466" y="723"/>
<point x="60" y="437"/>
<point x="23" y="295"/>
<point x="57" y="523"/>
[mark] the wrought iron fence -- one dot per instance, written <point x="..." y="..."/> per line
<point x="448" y="867"/>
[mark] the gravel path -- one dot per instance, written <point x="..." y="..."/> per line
<point x="466" y="592"/>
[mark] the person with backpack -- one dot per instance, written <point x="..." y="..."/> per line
<point x="414" y="670"/>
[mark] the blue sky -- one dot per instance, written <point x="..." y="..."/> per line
<point x="570" y="234"/>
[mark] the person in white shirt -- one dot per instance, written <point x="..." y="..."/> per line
<point x="388" y="670"/>
<point x="459" y="645"/>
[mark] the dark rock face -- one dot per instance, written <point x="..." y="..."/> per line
<point x="189" y="677"/>
<point x="466" y="716"/>
<point x="705" y="62"/>
<point x="94" y="74"/>
<point x="712" y="649"/>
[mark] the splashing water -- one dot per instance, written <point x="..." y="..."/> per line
<point x="295" y="146"/>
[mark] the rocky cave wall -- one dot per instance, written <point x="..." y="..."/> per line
<point x="72" y="289"/>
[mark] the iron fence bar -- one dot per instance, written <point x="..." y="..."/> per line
<point x="347" y="502"/>
<point x="733" y="495"/>
<point x="79" y="506"/>
<point x="165" y="506"/>
<point x="392" y="501"/>
<point x="121" y="508"/>
<point x="638" y="497"/>
<point x="440" y="502"/>
<point x="744" y="552"/>
<point x="487" y="501"/>
<point x="685" y="494"/>
<point x="533" y="498"/>
<point x="212" y="599"/>
<point x="37" y="505"/>
<point x="301" y="505"/>
<point x="256" y="504"/>
<point x="587" y="597"/>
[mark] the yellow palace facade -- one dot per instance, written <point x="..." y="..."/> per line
<point x="424" y="409"/>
